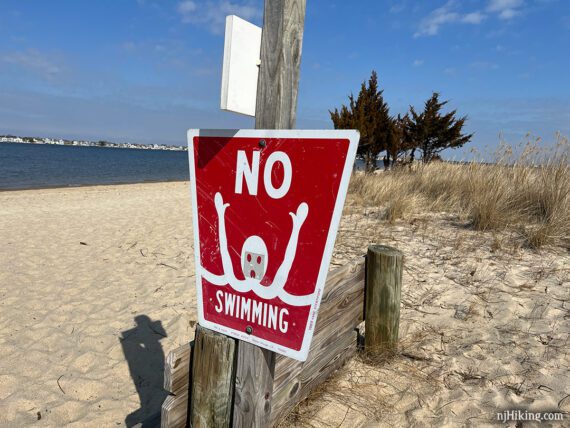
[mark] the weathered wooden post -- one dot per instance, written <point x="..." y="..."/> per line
<point x="276" y="108"/>
<point x="384" y="267"/>
<point x="281" y="45"/>
<point x="212" y="379"/>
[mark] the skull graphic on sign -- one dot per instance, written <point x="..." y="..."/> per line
<point x="254" y="258"/>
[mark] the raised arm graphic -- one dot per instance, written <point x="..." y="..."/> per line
<point x="238" y="285"/>
<point x="283" y="271"/>
<point x="276" y="289"/>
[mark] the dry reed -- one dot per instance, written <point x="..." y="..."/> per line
<point x="528" y="193"/>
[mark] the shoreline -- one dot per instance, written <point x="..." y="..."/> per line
<point x="75" y="186"/>
<point x="46" y="141"/>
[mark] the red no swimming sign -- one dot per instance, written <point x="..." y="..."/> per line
<point x="266" y="210"/>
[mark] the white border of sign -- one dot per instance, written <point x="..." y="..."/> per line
<point x="353" y="137"/>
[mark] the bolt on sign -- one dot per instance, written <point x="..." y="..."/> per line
<point x="266" y="210"/>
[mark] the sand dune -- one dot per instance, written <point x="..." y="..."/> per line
<point x="96" y="284"/>
<point x="484" y="328"/>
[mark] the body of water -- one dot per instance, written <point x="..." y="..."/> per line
<point x="26" y="166"/>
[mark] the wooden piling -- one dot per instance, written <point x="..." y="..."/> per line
<point x="281" y="46"/>
<point x="384" y="266"/>
<point x="255" y="372"/>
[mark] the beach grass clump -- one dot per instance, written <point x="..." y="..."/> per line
<point x="528" y="192"/>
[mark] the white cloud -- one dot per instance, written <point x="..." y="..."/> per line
<point x="447" y="14"/>
<point x="418" y="62"/>
<point x="429" y="26"/>
<point x="505" y="9"/>
<point x="450" y="13"/>
<point x="508" y="14"/>
<point x="212" y="13"/>
<point x="473" y="18"/>
<point x="33" y="60"/>
<point x="498" y="5"/>
<point x="186" y="7"/>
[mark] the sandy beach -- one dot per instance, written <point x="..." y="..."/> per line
<point x="96" y="285"/>
<point x="82" y="272"/>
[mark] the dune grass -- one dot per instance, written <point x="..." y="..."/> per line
<point x="529" y="194"/>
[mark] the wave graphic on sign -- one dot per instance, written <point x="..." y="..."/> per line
<point x="254" y="257"/>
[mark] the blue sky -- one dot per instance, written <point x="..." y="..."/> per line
<point x="145" y="71"/>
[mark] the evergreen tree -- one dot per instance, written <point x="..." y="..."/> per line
<point x="369" y="114"/>
<point x="400" y="142"/>
<point x="432" y="132"/>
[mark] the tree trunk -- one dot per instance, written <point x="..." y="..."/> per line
<point x="370" y="162"/>
<point x="412" y="156"/>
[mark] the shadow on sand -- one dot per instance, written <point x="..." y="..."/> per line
<point x="144" y="354"/>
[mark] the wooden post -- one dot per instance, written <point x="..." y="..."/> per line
<point x="281" y="45"/>
<point x="384" y="267"/>
<point x="213" y="363"/>
<point x="255" y="372"/>
<point x="276" y="106"/>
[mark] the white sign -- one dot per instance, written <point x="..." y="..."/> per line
<point x="241" y="66"/>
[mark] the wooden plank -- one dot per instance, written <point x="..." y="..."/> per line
<point x="174" y="411"/>
<point x="177" y="369"/>
<point x="305" y="377"/>
<point x="334" y="341"/>
<point x="341" y="310"/>
<point x="342" y="305"/>
<point x="213" y="366"/>
<point x="254" y="386"/>
<point x="281" y="45"/>
<point x="383" y="292"/>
